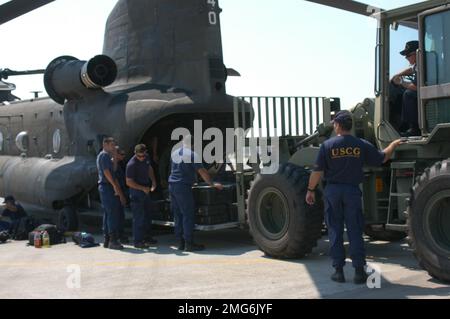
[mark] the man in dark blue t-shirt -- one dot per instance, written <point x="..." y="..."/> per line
<point x="141" y="180"/>
<point x="340" y="161"/>
<point x="111" y="195"/>
<point x="119" y="173"/>
<point x="185" y="164"/>
<point x="14" y="212"/>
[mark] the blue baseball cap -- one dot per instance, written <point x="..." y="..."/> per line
<point x="343" y="116"/>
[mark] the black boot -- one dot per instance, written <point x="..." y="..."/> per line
<point x="114" y="243"/>
<point x="106" y="241"/>
<point x="151" y="241"/>
<point x="338" y="276"/>
<point x="124" y="239"/>
<point x="182" y="245"/>
<point x="141" y="245"/>
<point x="191" y="246"/>
<point x="360" y="276"/>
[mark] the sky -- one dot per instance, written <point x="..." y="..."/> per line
<point x="281" y="48"/>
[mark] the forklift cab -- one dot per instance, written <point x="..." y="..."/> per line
<point x="396" y="27"/>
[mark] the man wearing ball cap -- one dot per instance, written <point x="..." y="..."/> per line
<point x="410" y="112"/>
<point x="340" y="162"/>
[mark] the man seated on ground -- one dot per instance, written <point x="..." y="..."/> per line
<point x="14" y="212"/>
<point x="410" y="112"/>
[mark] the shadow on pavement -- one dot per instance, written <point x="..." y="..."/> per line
<point x="386" y="255"/>
<point x="380" y="253"/>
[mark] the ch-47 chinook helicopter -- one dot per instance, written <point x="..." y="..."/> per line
<point x="163" y="67"/>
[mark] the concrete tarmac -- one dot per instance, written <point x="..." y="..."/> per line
<point x="231" y="267"/>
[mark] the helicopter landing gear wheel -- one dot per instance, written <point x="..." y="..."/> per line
<point x="68" y="218"/>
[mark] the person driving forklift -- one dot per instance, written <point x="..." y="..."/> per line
<point x="410" y="112"/>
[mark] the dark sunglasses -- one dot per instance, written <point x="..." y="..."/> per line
<point x="410" y="55"/>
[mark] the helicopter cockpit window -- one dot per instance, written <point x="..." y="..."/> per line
<point x="437" y="49"/>
<point x="57" y="141"/>
<point x="22" y="141"/>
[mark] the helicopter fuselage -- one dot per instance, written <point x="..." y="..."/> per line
<point x="48" y="155"/>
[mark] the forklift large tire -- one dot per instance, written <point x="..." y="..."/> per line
<point x="68" y="219"/>
<point x="282" y="224"/>
<point x="429" y="220"/>
<point x="384" y="234"/>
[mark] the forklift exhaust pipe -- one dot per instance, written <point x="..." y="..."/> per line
<point x="67" y="78"/>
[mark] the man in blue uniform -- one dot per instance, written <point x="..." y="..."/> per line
<point x="111" y="195"/>
<point x="185" y="164"/>
<point x="410" y="111"/>
<point x="141" y="180"/>
<point x="119" y="173"/>
<point x="340" y="161"/>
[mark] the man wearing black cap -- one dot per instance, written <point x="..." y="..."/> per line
<point x="410" y="112"/>
<point x="15" y="212"/>
<point x="340" y="162"/>
<point x="140" y="178"/>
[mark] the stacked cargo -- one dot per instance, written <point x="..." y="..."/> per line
<point x="213" y="206"/>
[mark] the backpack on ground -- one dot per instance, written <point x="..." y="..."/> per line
<point x="84" y="240"/>
<point x="56" y="236"/>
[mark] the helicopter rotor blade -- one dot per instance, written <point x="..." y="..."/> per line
<point x="351" y="6"/>
<point x="15" y="8"/>
<point x="6" y="73"/>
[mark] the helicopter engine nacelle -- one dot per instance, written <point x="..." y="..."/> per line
<point x="68" y="78"/>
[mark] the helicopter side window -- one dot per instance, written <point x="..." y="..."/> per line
<point x="57" y="141"/>
<point x="22" y="141"/>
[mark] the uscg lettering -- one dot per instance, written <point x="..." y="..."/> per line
<point x="346" y="152"/>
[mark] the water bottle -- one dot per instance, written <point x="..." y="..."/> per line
<point x="45" y="240"/>
<point x="37" y="240"/>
